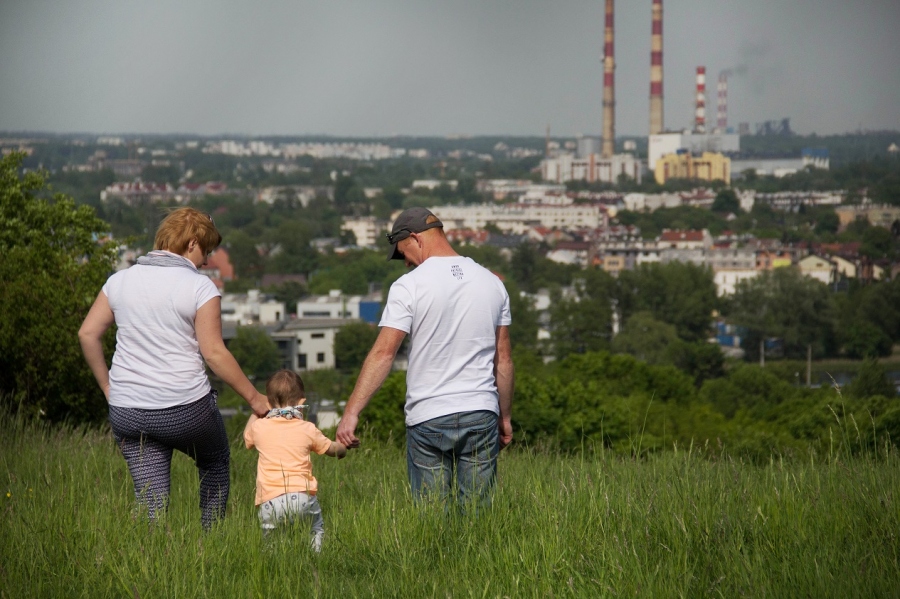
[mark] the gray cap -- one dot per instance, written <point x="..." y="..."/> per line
<point x="411" y="220"/>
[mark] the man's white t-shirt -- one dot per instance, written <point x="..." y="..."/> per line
<point x="157" y="362"/>
<point x="451" y="308"/>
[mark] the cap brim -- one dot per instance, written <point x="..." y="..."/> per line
<point x="394" y="253"/>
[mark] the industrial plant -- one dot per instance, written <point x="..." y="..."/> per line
<point x="700" y="152"/>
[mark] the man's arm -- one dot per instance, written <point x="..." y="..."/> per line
<point x="504" y="373"/>
<point x="374" y="370"/>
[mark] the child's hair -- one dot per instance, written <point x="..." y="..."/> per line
<point x="285" y="389"/>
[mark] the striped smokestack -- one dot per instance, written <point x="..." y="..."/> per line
<point x="609" y="86"/>
<point x="656" y="70"/>
<point x="722" y="102"/>
<point x="700" y="111"/>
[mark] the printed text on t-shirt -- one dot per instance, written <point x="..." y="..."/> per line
<point x="456" y="271"/>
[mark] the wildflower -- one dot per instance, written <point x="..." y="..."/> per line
<point x="8" y="494"/>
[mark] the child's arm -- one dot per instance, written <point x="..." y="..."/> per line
<point x="248" y="434"/>
<point x="337" y="450"/>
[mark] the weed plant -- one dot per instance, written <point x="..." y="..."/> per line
<point x="674" y="524"/>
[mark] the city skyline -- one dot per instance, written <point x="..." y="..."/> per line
<point x="458" y="67"/>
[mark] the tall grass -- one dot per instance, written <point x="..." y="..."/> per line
<point x="672" y="525"/>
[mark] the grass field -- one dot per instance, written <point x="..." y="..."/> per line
<point x="673" y="525"/>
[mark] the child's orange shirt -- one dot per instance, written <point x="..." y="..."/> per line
<point x="284" y="447"/>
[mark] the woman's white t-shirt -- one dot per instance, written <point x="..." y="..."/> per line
<point x="157" y="362"/>
<point x="451" y="308"/>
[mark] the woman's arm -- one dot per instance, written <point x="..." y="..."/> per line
<point x="90" y="335"/>
<point x="208" y="327"/>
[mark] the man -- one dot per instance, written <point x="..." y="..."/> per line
<point x="460" y="376"/>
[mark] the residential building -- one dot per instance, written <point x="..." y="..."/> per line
<point x="366" y="229"/>
<point x="337" y="306"/>
<point x="878" y="215"/>
<point x="519" y="218"/>
<point x="591" y="168"/>
<point x="817" y="267"/>
<point x="251" y="308"/>
<point x="684" y="239"/>
<point x="308" y="343"/>
<point x="708" y="166"/>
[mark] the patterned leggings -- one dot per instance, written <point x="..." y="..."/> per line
<point x="147" y="438"/>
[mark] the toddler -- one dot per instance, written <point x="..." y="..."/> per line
<point x="285" y="486"/>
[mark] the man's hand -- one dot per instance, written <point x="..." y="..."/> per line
<point x="506" y="432"/>
<point x="260" y="405"/>
<point x="345" y="431"/>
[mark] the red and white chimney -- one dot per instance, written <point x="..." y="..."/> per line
<point x="609" y="86"/>
<point x="700" y="111"/>
<point x="722" y="102"/>
<point x="656" y="70"/>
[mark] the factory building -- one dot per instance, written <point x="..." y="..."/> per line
<point x="695" y="143"/>
<point x="708" y="166"/>
<point x="591" y="168"/>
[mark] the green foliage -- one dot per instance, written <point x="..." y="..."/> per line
<point x="582" y="322"/>
<point x="255" y="351"/>
<point x="523" y="331"/>
<point x="678" y="293"/>
<point x="352" y="343"/>
<point x="870" y="381"/>
<point x="384" y="418"/>
<point x="52" y="266"/>
<point x="645" y="338"/>
<point x="785" y="304"/>
<point x="352" y="272"/>
<point x="726" y="202"/>
<point x="747" y="387"/>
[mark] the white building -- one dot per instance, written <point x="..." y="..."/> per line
<point x="309" y="342"/>
<point x="336" y="305"/>
<point x="696" y="143"/>
<point x="640" y="202"/>
<point x="251" y="308"/>
<point x="592" y="168"/>
<point x="519" y="218"/>
<point x="366" y="229"/>
<point x="432" y="184"/>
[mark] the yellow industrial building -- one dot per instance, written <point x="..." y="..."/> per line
<point x="709" y="166"/>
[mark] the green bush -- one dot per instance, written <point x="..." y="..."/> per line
<point x="52" y="265"/>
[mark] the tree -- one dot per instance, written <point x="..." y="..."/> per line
<point x="244" y="255"/>
<point x="294" y="255"/>
<point x="352" y="343"/>
<point x="582" y="321"/>
<point x="679" y="293"/>
<point x="785" y="304"/>
<point x="726" y="201"/>
<point x="255" y="352"/>
<point x="645" y="338"/>
<point x="52" y="265"/>
<point x="523" y="332"/>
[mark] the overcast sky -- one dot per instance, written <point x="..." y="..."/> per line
<point x="436" y="67"/>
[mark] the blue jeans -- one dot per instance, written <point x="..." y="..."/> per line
<point x="465" y="444"/>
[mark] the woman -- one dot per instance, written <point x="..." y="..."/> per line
<point x="168" y="317"/>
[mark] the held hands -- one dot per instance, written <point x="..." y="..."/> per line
<point x="259" y="404"/>
<point x="345" y="431"/>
